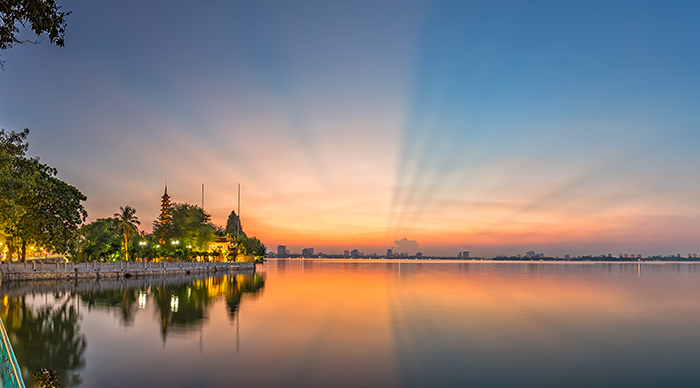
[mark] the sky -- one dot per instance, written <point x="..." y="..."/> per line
<point x="498" y="127"/>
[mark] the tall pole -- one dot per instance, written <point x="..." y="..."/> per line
<point x="238" y="231"/>
<point x="202" y="196"/>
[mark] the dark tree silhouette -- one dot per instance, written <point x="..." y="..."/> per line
<point x="42" y="16"/>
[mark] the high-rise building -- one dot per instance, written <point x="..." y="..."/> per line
<point x="465" y="255"/>
<point x="307" y="252"/>
<point x="281" y="251"/>
<point x="389" y="252"/>
<point x="419" y="255"/>
<point x="346" y="253"/>
<point x="355" y="254"/>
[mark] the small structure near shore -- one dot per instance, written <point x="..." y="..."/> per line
<point x="98" y="270"/>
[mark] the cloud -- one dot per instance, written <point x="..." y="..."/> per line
<point x="406" y="246"/>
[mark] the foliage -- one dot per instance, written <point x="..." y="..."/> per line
<point x="127" y="225"/>
<point x="42" y="16"/>
<point x="17" y="175"/>
<point x="99" y="240"/>
<point x="192" y="226"/>
<point x="232" y="225"/>
<point x="53" y="213"/>
<point x="38" y="208"/>
<point x="248" y="246"/>
<point x="47" y="379"/>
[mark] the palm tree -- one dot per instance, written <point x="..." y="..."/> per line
<point x="127" y="225"/>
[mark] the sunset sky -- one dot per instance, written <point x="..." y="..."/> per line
<point x="499" y="127"/>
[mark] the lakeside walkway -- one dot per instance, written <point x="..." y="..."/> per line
<point x="97" y="270"/>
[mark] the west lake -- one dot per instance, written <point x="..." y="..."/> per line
<point x="368" y="323"/>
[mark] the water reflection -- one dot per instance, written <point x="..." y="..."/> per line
<point x="43" y="319"/>
<point x="372" y="324"/>
<point x="183" y="307"/>
<point x="47" y="337"/>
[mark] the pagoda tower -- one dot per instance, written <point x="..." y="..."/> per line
<point x="166" y="216"/>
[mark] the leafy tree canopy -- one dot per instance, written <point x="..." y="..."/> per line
<point x="233" y="223"/>
<point x="99" y="240"/>
<point x="192" y="226"/>
<point x="42" y="16"/>
<point x="37" y="207"/>
<point x="18" y="175"/>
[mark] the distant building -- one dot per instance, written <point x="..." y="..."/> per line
<point x="419" y="255"/>
<point x="346" y="253"/>
<point x="281" y="251"/>
<point x="389" y="252"/>
<point x="355" y="254"/>
<point x="459" y="255"/>
<point x="465" y="255"/>
<point x="307" y="252"/>
<point x="567" y="257"/>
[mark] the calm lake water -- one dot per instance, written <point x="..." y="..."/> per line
<point x="334" y="323"/>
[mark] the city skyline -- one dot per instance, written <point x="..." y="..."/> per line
<point x="494" y="128"/>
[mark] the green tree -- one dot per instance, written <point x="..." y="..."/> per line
<point x="18" y="175"/>
<point x="248" y="246"/>
<point x="127" y="222"/>
<point x="52" y="214"/>
<point x="42" y="16"/>
<point x="37" y="207"/>
<point x="233" y="225"/>
<point x="192" y="226"/>
<point x="99" y="240"/>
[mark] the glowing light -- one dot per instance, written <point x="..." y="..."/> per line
<point x="174" y="303"/>
<point x="142" y="300"/>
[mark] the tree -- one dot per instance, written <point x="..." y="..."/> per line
<point x="233" y="225"/>
<point x="37" y="207"/>
<point x="18" y="175"/>
<point x="53" y="212"/>
<point x="127" y="225"/>
<point x="42" y="16"/>
<point x="99" y="240"/>
<point x="192" y="226"/>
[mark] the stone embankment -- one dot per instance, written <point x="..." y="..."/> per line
<point x="112" y="270"/>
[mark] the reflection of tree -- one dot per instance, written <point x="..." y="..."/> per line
<point x="46" y="338"/>
<point x="184" y="307"/>
<point x="243" y="283"/>
<point x="124" y="299"/>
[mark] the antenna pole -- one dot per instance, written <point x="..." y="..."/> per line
<point x="238" y="231"/>
<point x="202" y="196"/>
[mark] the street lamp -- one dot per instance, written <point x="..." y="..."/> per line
<point x="142" y="243"/>
<point x="175" y="242"/>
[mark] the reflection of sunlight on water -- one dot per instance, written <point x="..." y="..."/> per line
<point x="174" y="302"/>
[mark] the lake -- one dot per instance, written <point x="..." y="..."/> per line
<point x="368" y="323"/>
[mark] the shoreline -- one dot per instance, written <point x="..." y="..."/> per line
<point x="21" y="272"/>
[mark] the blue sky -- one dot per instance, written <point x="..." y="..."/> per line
<point x="563" y="127"/>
